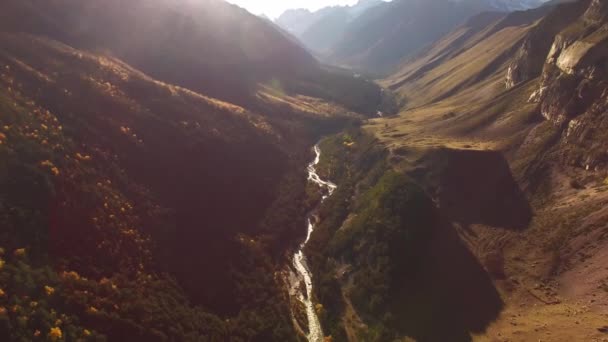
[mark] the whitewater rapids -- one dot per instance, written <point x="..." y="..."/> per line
<point x="315" y="332"/>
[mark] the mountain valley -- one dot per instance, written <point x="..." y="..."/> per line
<point x="376" y="40"/>
<point x="153" y="171"/>
<point x="515" y="179"/>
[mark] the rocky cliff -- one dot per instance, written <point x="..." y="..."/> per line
<point x="530" y="58"/>
<point x="573" y="91"/>
<point x="568" y="50"/>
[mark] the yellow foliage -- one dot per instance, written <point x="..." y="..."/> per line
<point x="2" y="263"/>
<point x="47" y="163"/>
<point x="92" y="310"/>
<point x="19" y="252"/>
<point x="83" y="157"/>
<point x="33" y="304"/>
<point x="55" y="334"/>
<point x="49" y="290"/>
<point x="71" y="275"/>
<point x="86" y="332"/>
<point x="606" y="181"/>
<point x="2" y="293"/>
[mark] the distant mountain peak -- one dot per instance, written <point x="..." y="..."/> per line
<point x="366" y="3"/>
<point x="516" y="5"/>
<point x="505" y="5"/>
<point x="320" y="29"/>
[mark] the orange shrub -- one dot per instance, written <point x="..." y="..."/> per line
<point x="55" y="334"/>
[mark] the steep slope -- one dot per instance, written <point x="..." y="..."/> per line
<point x="208" y="46"/>
<point x="381" y="38"/>
<point x="325" y="31"/>
<point x="503" y="128"/>
<point x="511" y="5"/>
<point x="445" y="69"/>
<point x="148" y="209"/>
<point x="530" y="58"/>
<point x="384" y="35"/>
<point x="137" y="206"/>
<point x="297" y="21"/>
<point x="321" y="29"/>
<point x="112" y="179"/>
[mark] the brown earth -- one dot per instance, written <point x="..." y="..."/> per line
<point x="494" y="166"/>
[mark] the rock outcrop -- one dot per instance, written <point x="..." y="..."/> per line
<point x="573" y="76"/>
<point x="573" y="90"/>
<point x="530" y="58"/>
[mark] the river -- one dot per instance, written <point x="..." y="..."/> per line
<point x="315" y="332"/>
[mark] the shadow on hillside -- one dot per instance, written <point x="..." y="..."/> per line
<point x="217" y="191"/>
<point x="477" y="187"/>
<point x="447" y="295"/>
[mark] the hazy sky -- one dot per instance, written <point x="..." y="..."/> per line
<point x="274" y="8"/>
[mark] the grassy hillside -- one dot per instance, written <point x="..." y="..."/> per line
<point x="129" y="179"/>
<point x="445" y="68"/>
<point x="515" y="171"/>
<point x="209" y="46"/>
<point x="386" y="34"/>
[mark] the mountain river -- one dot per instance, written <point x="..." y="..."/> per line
<point x="315" y="332"/>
